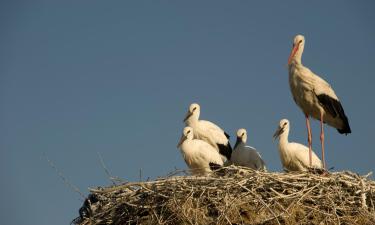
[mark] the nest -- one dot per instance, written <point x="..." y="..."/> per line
<point x="235" y="195"/>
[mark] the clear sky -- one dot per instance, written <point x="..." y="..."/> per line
<point x="116" y="77"/>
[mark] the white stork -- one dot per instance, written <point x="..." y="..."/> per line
<point x="208" y="132"/>
<point x="244" y="155"/>
<point x="200" y="156"/>
<point x="294" y="156"/>
<point x="314" y="96"/>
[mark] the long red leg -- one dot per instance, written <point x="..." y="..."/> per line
<point x="322" y="139"/>
<point x="309" y="138"/>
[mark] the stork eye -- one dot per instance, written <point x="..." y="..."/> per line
<point x="188" y="131"/>
<point x="300" y="41"/>
<point x="285" y="123"/>
<point x="194" y="108"/>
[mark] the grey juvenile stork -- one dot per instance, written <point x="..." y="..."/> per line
<point x="314" y="96"/>
<point x="244" y="155"/>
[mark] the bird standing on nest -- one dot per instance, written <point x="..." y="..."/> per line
<point x="294" y="156"/>
<point x="200" y="156"/>
<point x="314" y="96"/>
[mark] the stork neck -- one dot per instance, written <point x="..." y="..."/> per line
<point x="239" y="142"/>
<point x="298" y="57"/>
<point x="192" y="120"/>
<point x="296" y="61"/>
<point x="284" y="137"/>
<point x="190" y="136"/>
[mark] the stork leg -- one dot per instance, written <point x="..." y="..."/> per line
<point x="322" y="139"/>
<point x="309" y="138"/>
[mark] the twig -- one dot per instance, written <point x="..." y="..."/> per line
<point x="64" y="179"/>
<point x="105" y="169"/>
<point x="363" y="194"/>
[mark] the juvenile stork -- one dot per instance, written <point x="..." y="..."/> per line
<point x="208" y="132"/>
<point x="200" y="156"/>
<point x="294" y="155"/>
<point x="314" y="96"/>
<point x="244" y="155"/>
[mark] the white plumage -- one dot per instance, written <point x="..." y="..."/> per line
<point x="294" y="156"/>
<point x="208" y="132"/>
<point x="314" y="95"/>
<point x="244" y="155"/>
<point x="200" y="156"/>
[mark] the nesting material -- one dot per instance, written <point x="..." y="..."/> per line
<point x="235" y="195"/>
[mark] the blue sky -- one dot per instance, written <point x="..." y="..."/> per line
<point x="116" y="77"/>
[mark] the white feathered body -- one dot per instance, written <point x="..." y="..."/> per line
<point x="198" y="155"/>
<point x="305" y="87"/>
<point x="295" y="156"/>
<point x="210" y="133"/>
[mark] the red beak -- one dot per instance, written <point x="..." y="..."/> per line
<point x="294" y="50"/>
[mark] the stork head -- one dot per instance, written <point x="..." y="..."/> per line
<point x="187" y="134"/>
<point x="193" y="112"/>
<point x="242" y="135"/>
<point x="283" y="127"/>
<point x="297" y="49"/>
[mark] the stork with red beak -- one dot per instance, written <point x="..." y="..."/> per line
<point x="314" y="96"/>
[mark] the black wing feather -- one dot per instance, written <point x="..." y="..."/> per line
<point x="334" y="107"/>
<point x="225" y="150"/>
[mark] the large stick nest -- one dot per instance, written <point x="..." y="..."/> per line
<point x="236" y="195"/>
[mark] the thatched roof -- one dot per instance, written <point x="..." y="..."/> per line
<point x="236" y="196"/>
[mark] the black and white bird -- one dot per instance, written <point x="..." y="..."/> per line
<point x="314" y="96"/>
<point x="208" y="132"/>
<point x="294" y="156"/>
<point x="244" y="155"/>
<point x="200" y="156"/>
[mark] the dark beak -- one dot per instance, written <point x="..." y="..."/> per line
<point x="279" y="131"/>
<point x="188" y="114"/>
<point x="182" y="139"/>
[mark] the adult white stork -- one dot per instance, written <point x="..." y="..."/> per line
<point x="244" y="155"/>
<point x="208" y="132"/>
<point x="314" y="96"/>
<point x="200" y="156"/>
<point x="294" y="156"/>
